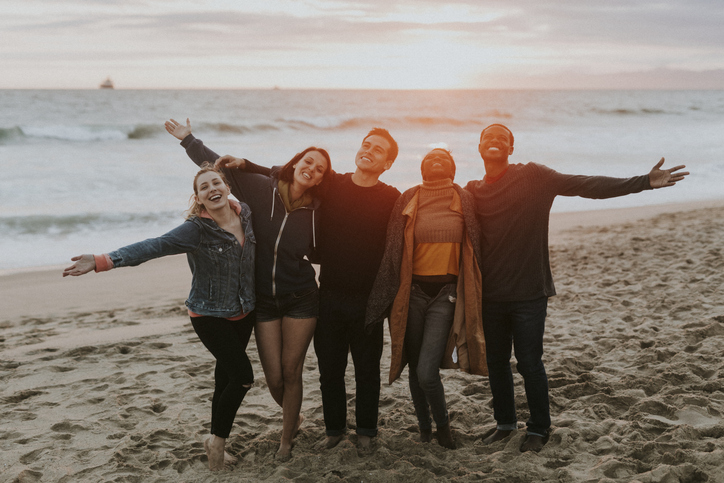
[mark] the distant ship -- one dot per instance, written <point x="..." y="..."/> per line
<point x="106" y="84"/>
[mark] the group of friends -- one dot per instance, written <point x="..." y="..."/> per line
<point x="462" y="275"/>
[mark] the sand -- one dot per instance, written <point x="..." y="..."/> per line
<point x="103" y="378"/>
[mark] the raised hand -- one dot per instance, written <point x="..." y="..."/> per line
<point x="229" y="161"/>
<point x="179" y="131"/>
<point x="83" y="264"/>
<point x="661" y="178"/>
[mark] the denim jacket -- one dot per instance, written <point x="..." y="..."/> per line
<point x="223" y="273"/>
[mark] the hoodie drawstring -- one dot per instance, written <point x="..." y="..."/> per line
<point x="314" y="232"/>
<point x="274" y="197"/>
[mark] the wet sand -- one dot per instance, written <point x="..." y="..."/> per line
<point x="103" y="378"/>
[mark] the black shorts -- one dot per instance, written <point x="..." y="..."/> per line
<point x="303" y="304"/>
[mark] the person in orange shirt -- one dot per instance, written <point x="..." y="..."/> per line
<point x="429" y="288"/>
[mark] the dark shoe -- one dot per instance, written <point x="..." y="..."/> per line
<point x="533" y="442"/>
<point x="497" y="435"/>
<point x="425" y="435"/>
<point x="445" y="437"/>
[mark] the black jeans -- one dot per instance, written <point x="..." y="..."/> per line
<point x="340" y="330"/>
<point x="521" y="325"/>
<point x="227" y="341"/>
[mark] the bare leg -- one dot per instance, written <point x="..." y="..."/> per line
<point x="299" y="424"/>
<point x="296" y="336"/>
<point x="269" y="344"/>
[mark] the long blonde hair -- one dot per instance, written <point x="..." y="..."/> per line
<point x="195" y="208"/>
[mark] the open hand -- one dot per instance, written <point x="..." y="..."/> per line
<point x="83" y="264"/>
<point x="229" y="161"/>
<point x="179" y="131"/>
<point x="661" y="178"/>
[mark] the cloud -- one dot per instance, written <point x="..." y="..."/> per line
<point x="495" y="37"/>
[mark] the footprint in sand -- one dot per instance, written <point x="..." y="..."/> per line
<point x="160" y="345"/>
<point x="21" y="396"/>
<point x="61" y="368"/>
<point x="31" y="457"/>
<point x="28" y="476"/>
<point x="68" y="427"/>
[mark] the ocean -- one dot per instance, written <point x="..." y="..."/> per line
<point x="88" y="171"/>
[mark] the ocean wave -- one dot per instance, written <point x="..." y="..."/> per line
<point x="7" y="134"/>
<point x="630" y="112"/>
<point x="50" y="225"/>
<point x="98" y="133"/>
<point x="74" y="133"/>
<point x="144" y="131"/>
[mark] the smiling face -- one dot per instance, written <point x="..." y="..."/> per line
<point x="437" y="165"/>
<point x="495" y="145"/>
<point x="309" y="171"/>
<point x="211" y="191"/>
<point x="372" y="155"/>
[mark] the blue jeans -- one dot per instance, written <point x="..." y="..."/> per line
<point x="428" y="326"/>
<point x="519" y="324"/>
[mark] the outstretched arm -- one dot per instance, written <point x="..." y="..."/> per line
<point x="184" y="238"/>
<point x="661" y="178"/>
<point x="199" y="153"/>
<point x="83" y="264"/>
<point x="195" y="149"/>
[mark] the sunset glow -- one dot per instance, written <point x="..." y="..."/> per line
<point x="362" y="44"/>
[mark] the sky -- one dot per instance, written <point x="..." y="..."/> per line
<point x="363" y="44"/>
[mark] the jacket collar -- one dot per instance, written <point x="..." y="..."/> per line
<point x="234" y="205"/>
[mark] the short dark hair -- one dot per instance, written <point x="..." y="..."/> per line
<point x="378" y="131"/>
<point x="512" y="139"/>
<point x="287" y="171"/>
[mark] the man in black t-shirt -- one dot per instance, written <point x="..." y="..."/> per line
<point x="513" y="203"/>
<point x="354" y="215"/>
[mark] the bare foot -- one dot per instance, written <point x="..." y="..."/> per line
<point x="364" y="444"/>
<point x="445" y="437"/>
<point x="425" y="435"/>
<point x="230" y="460"/>
<point x="498" y="435"/>
<point x="533" y="442"/>
<point x="332" y="441"/>
<point x="284" y="453"/>
<point x="214" y="447"/>
<point x="300" y="420"/>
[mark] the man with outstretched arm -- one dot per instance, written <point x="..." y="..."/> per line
<point x="353" y="223"/>
<point x="513" y="203"/>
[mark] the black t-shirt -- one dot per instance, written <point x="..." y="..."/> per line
<point x="353" y="229"/>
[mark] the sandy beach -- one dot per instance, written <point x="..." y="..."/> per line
<point x="103" y="378"/>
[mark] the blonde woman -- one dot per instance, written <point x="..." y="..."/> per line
<point x="219" y="242"/>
